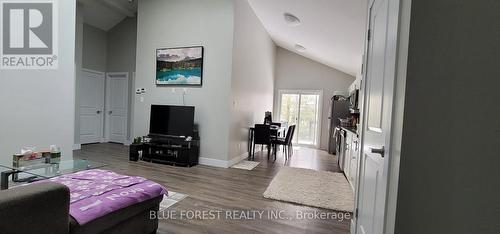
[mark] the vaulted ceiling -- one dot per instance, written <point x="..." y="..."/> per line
<point x="331" y="31"/>
<point x="105" y="14"/>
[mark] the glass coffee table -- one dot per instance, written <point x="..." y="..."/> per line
<point x="44" y="170"/>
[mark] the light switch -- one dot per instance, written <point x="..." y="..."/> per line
<point x="141" y="99"/>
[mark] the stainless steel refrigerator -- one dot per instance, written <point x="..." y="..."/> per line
<point x="339" y="109"/>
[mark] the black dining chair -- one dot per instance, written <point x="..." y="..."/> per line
<point x="275" y="133"/>
<point x="276" y="124"/>
<point x="285" y="142"/>
<point x="262" y="136"/>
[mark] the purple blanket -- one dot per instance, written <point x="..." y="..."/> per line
<point x="95" y="193"/>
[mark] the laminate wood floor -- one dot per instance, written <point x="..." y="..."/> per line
<point x="234" y="195"/>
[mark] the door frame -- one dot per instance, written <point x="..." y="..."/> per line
<point x="319" y="116"/>
<point x="395" y="133"/>
<point x="398" y="113"/>
<point x="78" y="105"/>
<point x="107" y="107"/>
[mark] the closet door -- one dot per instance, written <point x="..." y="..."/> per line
<point x="91" y="106"/>
<point x="117" y="107"/>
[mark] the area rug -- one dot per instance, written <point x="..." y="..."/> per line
<point x="246" y="165"/>
<point x="321" y="189"/>
<point x="171" y="199"/>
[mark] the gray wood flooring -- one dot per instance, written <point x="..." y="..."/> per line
<point x="215" y="190"/>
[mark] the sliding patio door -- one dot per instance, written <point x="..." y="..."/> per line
<point x="301" y="108"/>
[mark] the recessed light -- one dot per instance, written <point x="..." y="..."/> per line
<point x="291" y="20"/>
<point x="300" y="48"/>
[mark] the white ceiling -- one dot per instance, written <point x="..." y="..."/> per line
<point x="105" y="14"/>
<point x="332" y="31"/>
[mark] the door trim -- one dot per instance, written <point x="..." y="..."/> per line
<point x="320" y="111"/>
<point x="93" y="71"/>
<point x="397" y="114"/>
<point x="107" y="107"/>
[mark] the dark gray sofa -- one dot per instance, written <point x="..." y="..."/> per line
<point x="44" y="208"/>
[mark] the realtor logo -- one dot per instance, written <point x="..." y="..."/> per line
<point x="29" y="34"/>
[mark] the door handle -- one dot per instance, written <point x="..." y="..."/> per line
<point x="98" y="112"/>
<point x="380" y="151"/>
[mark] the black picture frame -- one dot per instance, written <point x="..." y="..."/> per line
<point x="192" y="69"/>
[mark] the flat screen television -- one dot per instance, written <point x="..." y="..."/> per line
<point x="171" y="120"/>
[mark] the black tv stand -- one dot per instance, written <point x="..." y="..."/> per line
<point x="169" y="150"/>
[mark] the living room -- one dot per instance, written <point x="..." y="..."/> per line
<point x="108" y="87"/>
<point x="231" y="97"/>
<point x="249" y="91"/>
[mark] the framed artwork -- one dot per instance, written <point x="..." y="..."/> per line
<point x="181" y="66"/>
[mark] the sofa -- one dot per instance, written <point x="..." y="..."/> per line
<point x="44" y="208"/>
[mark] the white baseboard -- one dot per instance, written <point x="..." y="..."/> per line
<point x="77" y="146"/>
<point x="213" y="162"/>
<point x="221" y="163"/>
<point x="237" y="159"/>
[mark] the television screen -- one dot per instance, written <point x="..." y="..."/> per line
<point x="171" y="120"/>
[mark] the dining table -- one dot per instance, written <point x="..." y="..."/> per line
<point x="276" y="131"/>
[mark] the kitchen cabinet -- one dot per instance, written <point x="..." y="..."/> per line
<point x="347" y="153"/>
<point x="353" y="167"/>
<point x="351" y="155"/>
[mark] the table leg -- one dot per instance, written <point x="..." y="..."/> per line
<point x="249" y="146"/>
<point x="250" y="143"/>
<point x="4" y="179"/>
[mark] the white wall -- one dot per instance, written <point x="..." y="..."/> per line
<point x="90" y="53"/>
<point x="294" y="71"/>
<point x="95" y="45"/>
<point x="121" y="55"/>
<point x="37" y="106"/>
<point x="252" y="83"/>
<point x="177" y="23"/>
<point x="78" y="68"/>
<point x="111" y="51"/>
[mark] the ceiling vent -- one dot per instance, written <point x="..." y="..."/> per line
<point x="300" y="48"/>
<point x="291" y="20"/>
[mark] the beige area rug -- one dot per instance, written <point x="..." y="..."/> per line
<point x="246" y="165"/>
<point x="321" y="189"/>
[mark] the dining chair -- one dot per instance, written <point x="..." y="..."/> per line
<point x="275" y="133"/>
<point x="285" y="142"/>
<point x="262" y="136"/>
<point x="276" y="124"/>
<point x="290" y="146"/>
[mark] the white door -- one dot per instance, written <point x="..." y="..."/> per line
<point x="91" y="106"/>
<point x="301" y="108"/>
<point x="117" y="107"/>
<point x="379" y="87"/>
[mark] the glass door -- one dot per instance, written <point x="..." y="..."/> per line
<point x="301" y="108"/>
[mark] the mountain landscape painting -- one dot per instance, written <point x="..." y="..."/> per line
<point x="179" y="66"/>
